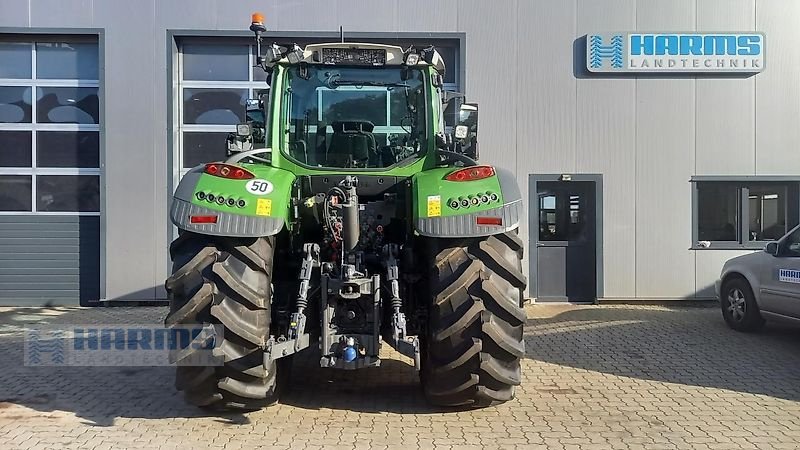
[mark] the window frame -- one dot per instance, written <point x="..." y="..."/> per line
<point x="251" y="85"/>
<point x="741" y="183"/>
<point x="31" y="38"/>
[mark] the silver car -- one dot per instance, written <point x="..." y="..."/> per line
<point x="762" y="285"/>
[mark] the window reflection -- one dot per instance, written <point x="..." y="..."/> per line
<point x="68" y="193"/>
<point x="562" y="215"/>
<point x="15" y="192"/>
<point x="68" y="149"/>
<point x="767" y="206"/>
<point x="15" y="148"/>
<point x="15" y="60"/>
<point x="67" y="105"/>
<point x="203" y="147"/>
<point x="15" y="104"/>
<point x="66" y="60"/>
<point x="216" y="62"/>
<point x="217" y="106"/>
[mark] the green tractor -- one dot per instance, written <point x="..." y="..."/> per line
<point x="350" y="211"/>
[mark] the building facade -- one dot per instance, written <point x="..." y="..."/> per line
<point x="637" y="186"/>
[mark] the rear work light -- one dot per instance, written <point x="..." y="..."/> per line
<point x="228" y="171"/>
<point x="496" y="221"/>
<point x="202" y="219"/>
<point x="471" y="173"/>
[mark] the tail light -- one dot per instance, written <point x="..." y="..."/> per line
<point x="202" y="219"/>
<point x="471" y="173"/>
<point x="228" y="171"/>
<point x="495" y="221"/>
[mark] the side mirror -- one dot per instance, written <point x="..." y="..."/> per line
<point x="466" y="130"/>
<point x="243" y="130"/>
<point x="772" y="248"/>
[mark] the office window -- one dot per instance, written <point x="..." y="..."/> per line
<point x="49" y="126"/>
<point x="718" y="212"/>
<point x="744" y="213"/>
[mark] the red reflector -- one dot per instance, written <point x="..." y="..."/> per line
<point x="471" y="173"/>
<point x="202" y="219"/>
<point x="496" y="221"/>
<point x="228" y="171"/>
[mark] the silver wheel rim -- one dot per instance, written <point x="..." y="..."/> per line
<point x="736" y="304"/>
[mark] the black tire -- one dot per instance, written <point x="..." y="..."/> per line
<point x="224" y="282"/>
<point x="739" y="307"/>
<point x="474" y="341"/>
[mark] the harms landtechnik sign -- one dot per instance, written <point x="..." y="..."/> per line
<point x="675" y="52"/>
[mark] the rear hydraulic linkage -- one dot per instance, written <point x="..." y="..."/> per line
<point x="408" y="346"/>
<point x="298" y="339"/>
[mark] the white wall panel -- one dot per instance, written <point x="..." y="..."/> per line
<point x="230" y="15"/>
<point x="294" y="15"/>
<point x="709" y="266"/>
<point x="425" y="15"/>
<point x="366" y="15"/>
<point x="134" y="210"/>
<point x="187" y="15"/>
<point x="544" y="92"/>
<point x="61" y="13"/>
<point x="778" y="89"/>
<point x="664" y="163"/>
<point x="545" y="87"/>
<point x="725" y="106"/>
<point x="605" y="143"/>
<point x="15" y="13"/>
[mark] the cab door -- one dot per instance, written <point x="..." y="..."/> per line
<point x="780" y="278"/>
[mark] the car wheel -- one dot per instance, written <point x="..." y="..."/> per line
<point x="739" y="306"/>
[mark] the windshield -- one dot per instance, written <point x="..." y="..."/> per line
<point x="352" y="117"/>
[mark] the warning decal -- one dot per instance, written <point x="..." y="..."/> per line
<point x="264" y="207"/>
<point x="434" y="205"/>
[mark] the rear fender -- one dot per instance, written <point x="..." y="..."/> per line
<point x="260" y="205"/>
<point x="435" y="214"/>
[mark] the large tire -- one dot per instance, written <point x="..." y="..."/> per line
<point x="224" y="282"/>
<point x="474" y="341"/>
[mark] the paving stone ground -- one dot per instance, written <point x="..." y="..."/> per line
<point x="595" y="377"/>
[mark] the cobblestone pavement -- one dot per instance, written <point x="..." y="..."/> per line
<point x="595" y="377"/>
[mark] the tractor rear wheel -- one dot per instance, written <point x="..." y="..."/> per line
<point x="474" y="342"/>
<point x="224" y="282"/>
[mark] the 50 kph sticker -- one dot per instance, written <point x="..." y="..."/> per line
<point x="259" y="187"/>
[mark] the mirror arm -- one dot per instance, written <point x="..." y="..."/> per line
<point x="459" y="157"/>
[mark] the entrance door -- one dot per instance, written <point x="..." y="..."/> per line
<point x="566" y="241"/>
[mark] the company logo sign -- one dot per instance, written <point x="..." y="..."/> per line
<point x="122" y="345"/>
<point x="788" y="276"/>
<point x="675" y="52"/>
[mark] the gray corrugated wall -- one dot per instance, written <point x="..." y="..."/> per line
<point x="647" y="136"/>
<point x="49" y="260"/>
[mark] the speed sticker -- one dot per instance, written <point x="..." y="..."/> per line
<point x="259" y="187"/>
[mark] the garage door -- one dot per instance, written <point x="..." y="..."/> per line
<point x="50" y="174"/>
